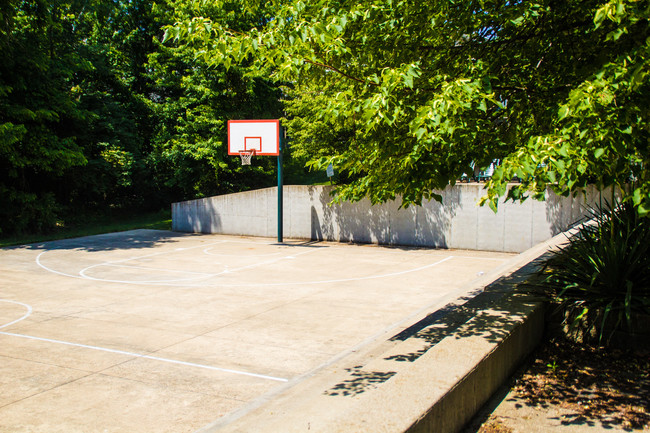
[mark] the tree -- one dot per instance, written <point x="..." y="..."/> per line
<point x="115" y="39"/>
<point x="413" y="92"/>
<point x="97" y="114"/>
<point x="193" y="102"/>
<point x="38" y="111"/>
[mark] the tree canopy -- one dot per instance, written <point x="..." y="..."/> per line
<point x="403" y="96"/>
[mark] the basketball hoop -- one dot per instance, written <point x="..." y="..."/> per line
<point x="246" y="156"/>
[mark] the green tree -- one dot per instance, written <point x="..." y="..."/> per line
<point x="116" y="40"/>
<point x="414" y="92"/>
<point x="193" y="102"/>
<point x="38" y="111"/>
<point x="95" y="113"/>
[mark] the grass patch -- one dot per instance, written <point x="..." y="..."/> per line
<point x="94" y="224"/>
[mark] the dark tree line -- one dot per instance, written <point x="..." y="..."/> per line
<point x="96" y="113"/>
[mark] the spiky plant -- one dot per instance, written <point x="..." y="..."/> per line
<point x="602" y="276"/>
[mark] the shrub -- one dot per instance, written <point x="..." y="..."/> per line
<point x="23" y="212"/>
<point x="601" y="278"/>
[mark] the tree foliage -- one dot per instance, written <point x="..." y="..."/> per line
<point x="404" y="95"/>
<point x="39" y="111"/>
<point x="193" y="103"/>
<point x="96" y="113"/>
<point x="109" y="104"/>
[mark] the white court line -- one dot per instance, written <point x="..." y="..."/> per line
<point x="285" y="283"/>
<point x="122" y="352"/>
<point x="207" y="252"/>
<point x="202" y="275"/>
<point x="149" y="268"/>
<point x="232" y="241"/>
<point x="228" y="271"/>
<point x="340" y="280"/>
<point x="39" y="263"/>
<point x="268" y="262"/>
<point x="167" y="282"/>
<point x="154" y="358"/>
<point x="29" y="312"/>
<point x="502" y="259"/>
<point x="83" y="274"/>
<point x="258" y="402"/>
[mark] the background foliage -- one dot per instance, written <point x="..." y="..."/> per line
<point x="409" y="93"/>
<point x="97" y="114"/>
<point x="123" y="104"/>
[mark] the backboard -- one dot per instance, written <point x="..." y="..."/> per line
<point x="261" y="135"/>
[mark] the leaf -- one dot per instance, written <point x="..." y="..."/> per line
<point x="563" y="112"/>
<point x="600" y="16"/>
<point x="408" y="81"/>
<point x="517" y="21"/>
<point x="166" y="35"/>
<point x="644" y="209"/>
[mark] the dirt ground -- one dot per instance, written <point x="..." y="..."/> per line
<point x="572" y="388"/>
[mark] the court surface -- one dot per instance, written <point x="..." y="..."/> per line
<point x="155" y="331"/>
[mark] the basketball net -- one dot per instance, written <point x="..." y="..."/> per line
<point x="246" y="156"/>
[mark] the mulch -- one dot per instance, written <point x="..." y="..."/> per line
<point x="607" y="386"/>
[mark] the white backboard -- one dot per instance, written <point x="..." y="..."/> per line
<point x="261" y="135"/>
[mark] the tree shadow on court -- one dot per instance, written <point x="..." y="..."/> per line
<point x="491" y="311"/>
<point x="489" y="314"/>
<point x="487" y="317"/>
<point x="491" y="319"/>
<point x="360" y="382"/>
<point x="127" y="240"/>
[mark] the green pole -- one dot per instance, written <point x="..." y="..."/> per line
<point x="280" y="145"/>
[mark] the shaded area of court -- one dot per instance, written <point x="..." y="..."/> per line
<point x="147" y="330"/>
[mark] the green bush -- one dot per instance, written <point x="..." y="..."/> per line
<point x="601" y="278"/>
<point x="23" y="212"/>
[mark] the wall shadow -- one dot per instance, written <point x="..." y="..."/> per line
<point x="563" y="213"/>
<point x="210" y="219"/>
<point x="198" y="216"/>
<point x="362" y="222"/>
<point x="316" y="229"/>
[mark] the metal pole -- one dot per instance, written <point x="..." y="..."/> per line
<point x="280" y="145"/>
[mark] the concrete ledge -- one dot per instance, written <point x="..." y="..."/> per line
<point x="431" y="376"/>
<point x="496" y="356"/>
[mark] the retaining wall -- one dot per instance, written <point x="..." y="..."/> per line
<point x="456" y="223"/>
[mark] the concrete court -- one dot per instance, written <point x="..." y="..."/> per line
<point x="155" y="331"/>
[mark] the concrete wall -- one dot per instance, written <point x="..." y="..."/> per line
<point x="457" y="223"/>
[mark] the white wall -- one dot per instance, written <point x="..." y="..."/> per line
<point x="456" y="223"/>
